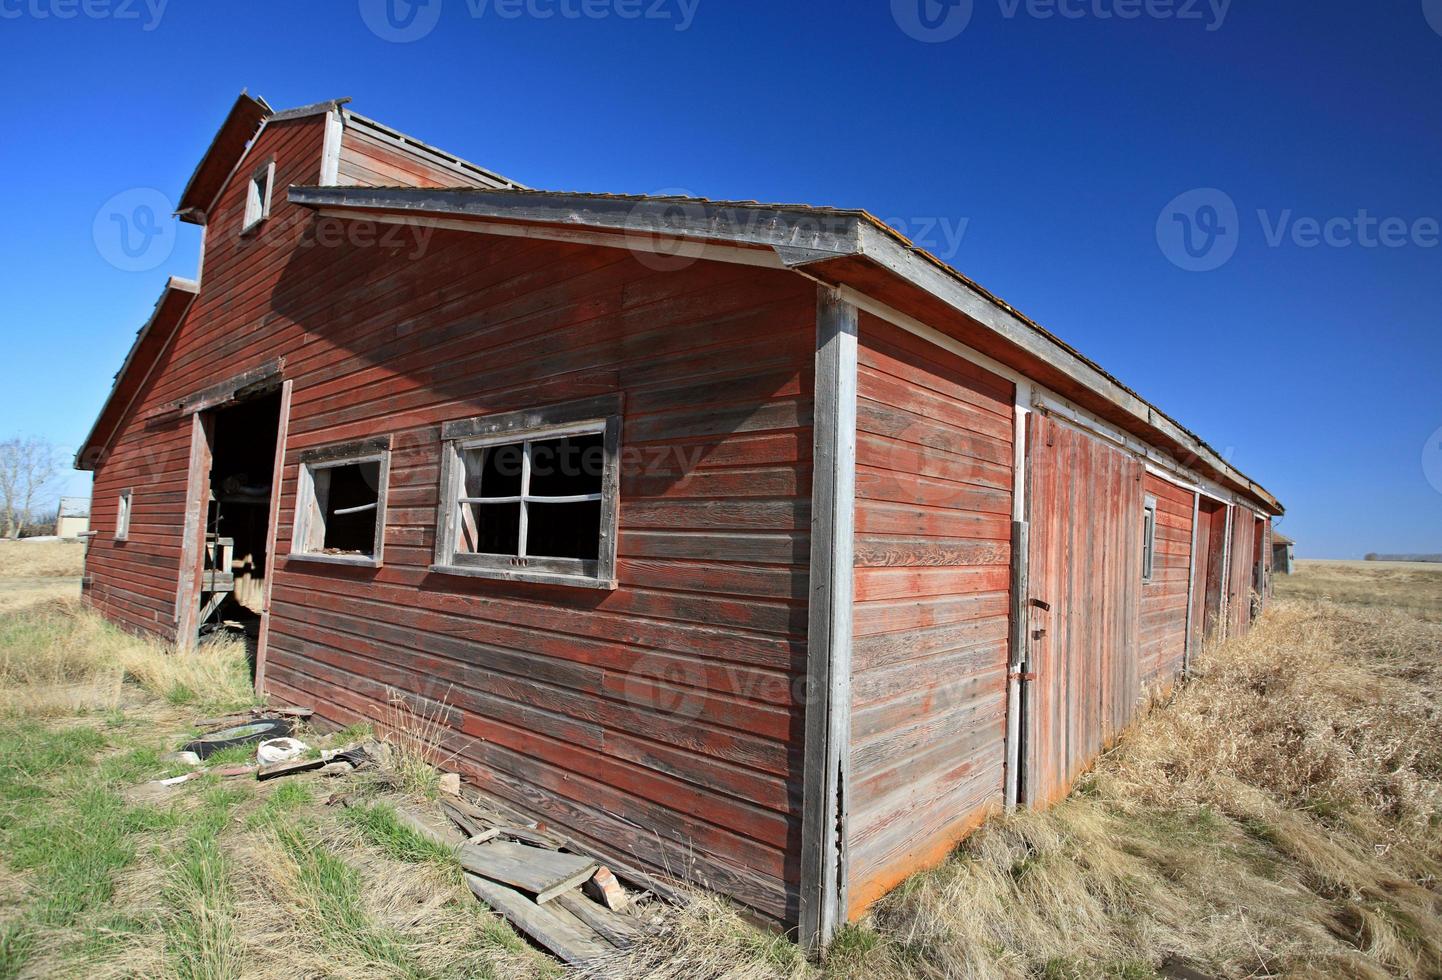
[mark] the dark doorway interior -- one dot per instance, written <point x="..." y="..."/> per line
<point x="238" y="516"/>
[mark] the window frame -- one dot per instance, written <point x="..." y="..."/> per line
<point x="592" y="416"/>
<point x="125" y="504"/>
<point x="307" y="505"/>
<point x="261" y="211"/>
<point x="1149" y="539"/>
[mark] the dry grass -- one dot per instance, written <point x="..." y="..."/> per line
<point x="1280" y="815"/>
<point x="416" y="731"/>
<point x="1412" y="586"/>
<point x="59" y="658"/>
<point x="42" y="559"/>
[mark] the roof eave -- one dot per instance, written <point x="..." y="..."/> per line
<point x="241" y="124"/>
<point x="174" y="301"/>
<point x="804" y="239"/>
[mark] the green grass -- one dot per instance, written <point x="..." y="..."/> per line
<point x="331" y="896"/>
<point x="379" y="826"/>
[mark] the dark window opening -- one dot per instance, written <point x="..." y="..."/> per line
<point x="347" y="505"/>
<point x="533" y="499"/>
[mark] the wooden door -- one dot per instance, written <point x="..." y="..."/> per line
<point x="1085" y="587"/>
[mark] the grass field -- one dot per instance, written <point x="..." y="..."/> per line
<point x="1279" y="815"/>
<point x="35" y="572"/>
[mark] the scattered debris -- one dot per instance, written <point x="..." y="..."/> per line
<point x="615" y="929"/>
<point x="554" y="929"/>
<point x="604" y="888"/>
<point x="289" y="768"/>
<point x="534" y="870"/>
<point x="353" y="758"/>
<point x="282" y="712"/>
<point x="255" y="731"/>
<point x="450" y="783"/>
<point x="275" y="750"/>
<point x="224" y="772"/>
<point x="181" y="758"/>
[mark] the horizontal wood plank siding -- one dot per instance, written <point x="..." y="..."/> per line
<point x="933" y="553"/>
<point x="1163" y="634"/>
<point x="661" y="719"/>
<point x="367" y="160"/>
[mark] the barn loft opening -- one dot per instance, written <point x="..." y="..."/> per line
<point x="242" y="470"/>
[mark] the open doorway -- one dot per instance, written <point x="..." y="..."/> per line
<point x="235" y="559"/>
<point x="1211" y="535"/>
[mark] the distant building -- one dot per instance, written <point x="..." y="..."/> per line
<point x="1283" y="554"/>
<point x="73" y="518"/>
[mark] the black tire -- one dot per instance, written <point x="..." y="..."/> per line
<point x="253" y="732"/>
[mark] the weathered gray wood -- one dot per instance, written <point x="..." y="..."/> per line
<point x="1191" y="583"/>
<point x="360" y="448"/>
<point x="534" y="870"/>
<point x="447" y="838"/>
<point x="289" y="768"/>
<point x="583" y="410"/>
<point x="615" y="929"/>
<point x="1020" y="646"/>
<point x="192" y="547"/>
<point x="272" y="535"/>
<point x="218" y="394"/>
<point x="828" y="666"/>
<point x="574" y="946"/>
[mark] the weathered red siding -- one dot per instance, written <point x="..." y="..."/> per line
<point x="1239" y="580"/>
<point x="660" y="718"/>
<point x="933" y="552"/>
<point x="1086" y="565"/>
<point x="1164" y="599"/>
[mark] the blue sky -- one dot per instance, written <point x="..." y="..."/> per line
<point x="1077" y="157"/>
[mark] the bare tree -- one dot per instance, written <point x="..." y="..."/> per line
<point x="28" y="469"/>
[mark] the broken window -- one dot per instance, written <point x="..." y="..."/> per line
<point x="122" y="517"/>
<point x="531" y="496"/>
<point x="1149" y="537"/>
<point x="257" y="196"/>
<point x="340" y="511"/>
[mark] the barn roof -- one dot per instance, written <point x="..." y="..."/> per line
<point x="846" y="247"/>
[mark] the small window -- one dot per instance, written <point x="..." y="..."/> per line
<point x="341" y="504"/>
<point x="122" y="517"/>
<point x="257" y="196"/>
<point x="1149" y="537"/>
<point x="532" y="496"/>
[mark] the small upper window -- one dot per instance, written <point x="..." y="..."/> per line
<point x="1149" y="537"/>
<point x="257" y="196"/>
<point x="341" y="503"/>
<point x="122" y="517"/>
<point x="531" y="496"/>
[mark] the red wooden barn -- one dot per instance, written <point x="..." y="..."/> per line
<point x="749" y="543"/>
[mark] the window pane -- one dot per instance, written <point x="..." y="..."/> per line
<point x="567" y="467"/>
<point x="489" y="529"/>
<point x="347" y="501"/>
<point x="564" y="530"/>
<point x="493" y="471"/>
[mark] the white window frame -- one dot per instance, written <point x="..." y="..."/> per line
<point x="308" y="534"/>
<point x="122" y="515"/>
<point x="592" y="416"/>
<point x="1149" y="539"/>
<point x="257" y="202"/>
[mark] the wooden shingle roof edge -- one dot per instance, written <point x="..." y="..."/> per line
<point x="821" y="241"/>
<point x="151" y="339"/>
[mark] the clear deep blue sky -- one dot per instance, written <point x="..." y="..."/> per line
<point x="1054" y="145"/>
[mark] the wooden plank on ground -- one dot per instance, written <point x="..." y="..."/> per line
<point x="536" y="871"/>
<point x="561" y="936"/>
<point x="615" y="929"/>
